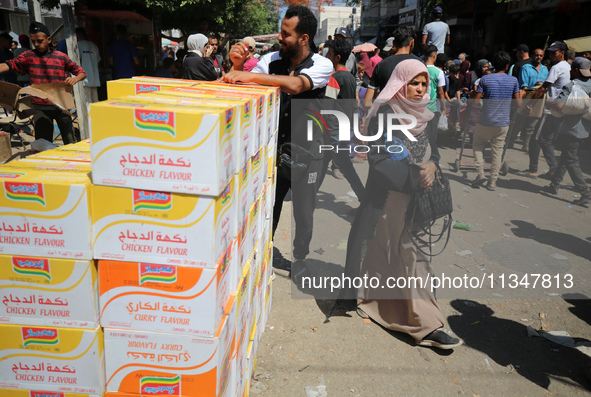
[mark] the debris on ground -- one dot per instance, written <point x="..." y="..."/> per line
<point x="317" y="391"/>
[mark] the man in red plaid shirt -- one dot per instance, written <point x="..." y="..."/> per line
<point x="46" y="66"/>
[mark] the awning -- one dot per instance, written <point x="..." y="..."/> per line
<point x="265" y="37"/>
<point x="116" y="15"/>
<point x="580" y="44"/>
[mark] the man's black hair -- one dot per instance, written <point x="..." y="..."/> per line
<point x="167" y="63"/>
<point x="341" y="47"/>
<point x="275" y="47"/>
<point x="569" y="55"/>
<point x="428" y="50"/>
<point x="403" y="35"/>
<point x="82" y="32"/>
<point x="453" y="69"/>
<point x="121" y="29"/>
<point x="500" y="60"/>
<point x="213" y="36"/>
<point x="307" y="23"/>
<point x="180" y="54"/>
<point x="441" y="60"/>
<point x="38" y="27"/>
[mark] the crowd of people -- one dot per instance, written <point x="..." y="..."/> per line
<point x="533" y="94"/>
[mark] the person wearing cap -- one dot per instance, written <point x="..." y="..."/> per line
<point x="437" y="32"/>
<point x="251" y="60"/>
<point x="572" y="132"/>
<point x="389" y="48"/>
<point x="547" y="127"/>
<point x="301" y="74"/>
<point x="47" y="66"/>
<point x="522" y="55"/>
<point x="23" y="79"/>
<point x="351" y="63"/>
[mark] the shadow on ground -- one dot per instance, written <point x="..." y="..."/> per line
<point x="507" y="343"/>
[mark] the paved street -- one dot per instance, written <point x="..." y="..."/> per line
<point x="515" y="230"/>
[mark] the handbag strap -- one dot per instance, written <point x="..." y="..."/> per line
<point x="427" y="230"/>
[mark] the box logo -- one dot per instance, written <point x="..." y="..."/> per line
<point x="11" y="175"/>
<point x="161" y="386"/>
<point x="244" y="173"/>
<point x="46" y="394"/>
<point x="31" y="266"/>
<point x="261" y="103"/>
<point x="157" y="273"/>
<point x="227" y="194"/>
<point x="145" y="199"/>
<point x="155" y="120"/>
<point x="256" y="159"/>
<point x="25" y="191"/>
<point x="247" y="110"/>
<point x="229" y="119"/>
<point x="39" y="336"/>
<point x="139" y="88"/>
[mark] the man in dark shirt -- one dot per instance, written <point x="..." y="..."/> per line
<point x="522" y="54"/>
<point x="46" y="66"/>
<point x="404" y="41"/>
<point x="123" y="55"/>
<point x="301" y="74"/>
<point x="341" y="91"/>
<point x="5" y="55"/>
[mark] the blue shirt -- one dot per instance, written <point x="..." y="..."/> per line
<point x="497" y="90"/>
<point x="123" y="52"/>
<point x="530" y="77"/>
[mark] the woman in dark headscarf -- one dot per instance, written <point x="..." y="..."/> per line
<point x="197" y="64"/>
<point x="464" y="67"/>
<point x="479" y="70"/>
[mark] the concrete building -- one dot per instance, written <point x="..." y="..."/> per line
<point x="335" y="17"/>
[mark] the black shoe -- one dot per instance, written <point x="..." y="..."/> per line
<point x="552" y="189"/>
<point x="298" y="271"/>
<point x="362" y="314"/>
<point x="583" y="201"/>
<point x="548" y="175"/>
<point x="479" y="181"/>
<point x="440" y="339"/>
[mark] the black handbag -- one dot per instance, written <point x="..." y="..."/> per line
<point x="428" y="206"/>
<point x="293" y="161"/>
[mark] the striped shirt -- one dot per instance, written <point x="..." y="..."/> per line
<point x="497" y="91"/>
<point x="51" y="67"/>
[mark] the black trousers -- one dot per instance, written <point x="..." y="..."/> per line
<point x="569" y="161"/>
<point x="44" y="117"/>
<point x="545" y="135"/>
<point x="303" y="193"/>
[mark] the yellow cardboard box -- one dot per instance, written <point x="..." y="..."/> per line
<point x="150" y="363"/>
<point x="43" y="164"/>
<point x="163" y="147"/>
<point x="53" y="359"/>
<point x="39" y="393"/>
<point x="64" y="155"/>
<point x="48" y="292"/>
<point x="82" y="146"/>
<point x="162" y="228"/>
<point x="141" y="85"/>
<point x="164" y="298"/>
<point x="45" y="213"/>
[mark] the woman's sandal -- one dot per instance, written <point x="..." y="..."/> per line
<point x="440" y="339"/>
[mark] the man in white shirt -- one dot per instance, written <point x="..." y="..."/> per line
<point x="89" y="59"/>
<point x="547" y="128"/>
<point x="436" y="32"/>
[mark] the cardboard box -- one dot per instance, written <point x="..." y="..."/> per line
<point x="45" y="214"/>
<point x="162" y="228"/>
<point x="154" y="363"/>
<point x="141" y="85"/>
<point x="63" y="155"/>
<point x="5" y="146"/>
<point x="164" y="298"/>
<point x="248" y="111"/>
<point x="82" y="146"/>
<point x="163" y="147"/>
<point x="272" y="101"/>
<point x="42" y="164"/>
<point x="272" y="156"/>
<point x="245" y="200"/>
<point x="48" y="292"/>
<point x="224" y="92"/>
<point x="41" y="393"/>
<point x="53" y="359"/>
